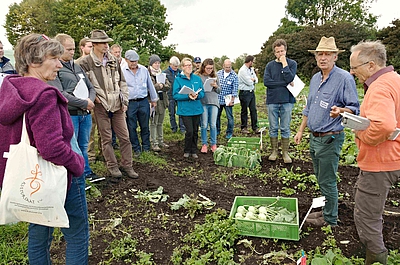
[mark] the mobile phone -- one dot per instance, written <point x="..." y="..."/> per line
<point x="330" y="139"/>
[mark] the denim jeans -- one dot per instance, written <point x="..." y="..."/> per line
<point x="209" y="117"/>
<point x="82" y="128"/>
<point x="76" y="236"/>
<point x="172" y="120"/>
<point x="192" y="133"/>
<point x="139" y="112"/>
<point x="279" y="116"/>
<point x="248" y="100"/>
<point x="229" y="116"/>
<point x="325" y="157"/>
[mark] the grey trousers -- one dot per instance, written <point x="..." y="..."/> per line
<point x="371" y="190"/>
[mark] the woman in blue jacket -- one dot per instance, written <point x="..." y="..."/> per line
<point x="189" y="105"/>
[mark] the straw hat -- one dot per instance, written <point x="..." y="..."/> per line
<point x="99" y="36"/>
<point x="327" y="45"/>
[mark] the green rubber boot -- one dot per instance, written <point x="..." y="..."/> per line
<point x="274" y="145"/>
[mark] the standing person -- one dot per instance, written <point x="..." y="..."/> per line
<point x="111" y="103"/>
<point x="197" y="64"/>
<point x="378" y="157"/>
<point x="157" y="119"/>
<point x="85" y="47"/>
<point x="50" y="130"/>
<point x="210" y="105"/>
<point x="172" y="71"/>
<point x="189" y="105"/>
<point x="140" y="87"/>
<point x="247" y="80"/>
<point x="278" y="74"/>
<point x="5" y="65"/>
<point x="229" y="86"/>
<point x="79" y="108"/>
<point x="332" y="91"/>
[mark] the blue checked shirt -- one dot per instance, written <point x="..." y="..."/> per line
<point x="229" y="85"/>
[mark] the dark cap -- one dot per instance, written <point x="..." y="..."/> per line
<point x="197" y="60"/>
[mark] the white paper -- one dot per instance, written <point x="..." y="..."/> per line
<point x="228" y="99"/>
<point x="298" y="85"/>
<point x="187" y="90"/>
<point x="395" y="134"/>
<point x="354" y="122"/>
<point x="2" y="77"/>
<point x="81" y="91"/>
<point x="161" y="78"/>
<point x="207" y="84"/>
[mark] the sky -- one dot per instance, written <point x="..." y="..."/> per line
<point x="213" y="28"/>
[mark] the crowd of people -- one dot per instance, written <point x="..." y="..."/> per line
<point x="105" y="92"/>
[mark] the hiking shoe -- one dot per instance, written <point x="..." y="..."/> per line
<point x="115" y="172"/>
<point x="94" y="178"/>
<point x="228" y="136"/>
<point x="137" y="154"/>
<point x="257" y="131"/>
<point x="315" y="215"/>
<point x="195" y="156"/>
<point x="164" y="145"/>
<point x="213" y="148"/>
<point x="186" y="155"/>
<point x="130" y="173"/>
<point x="245" y="131"/>
<point x="204" y="149"/>
<point x="156" y="148"/>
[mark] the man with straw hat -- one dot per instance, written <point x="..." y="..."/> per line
<point x="332" y="91"/>
<point x="111" y="103"/>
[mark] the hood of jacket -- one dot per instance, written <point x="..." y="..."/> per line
<point x="17" y="98"/>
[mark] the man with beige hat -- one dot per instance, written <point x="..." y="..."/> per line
<point x="332" y="91"/>
<point x="111" y="103"/>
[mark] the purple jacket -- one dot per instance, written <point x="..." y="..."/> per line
<point x="49" y="125"/>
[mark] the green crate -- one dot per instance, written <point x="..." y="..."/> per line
<point x="263" y="123"/>
<point x="237" y="160"/>
<point x="287" y="231"/>
<point x="252" y="143"/>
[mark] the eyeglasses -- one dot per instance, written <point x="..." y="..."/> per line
<point x="355" y="67"/>
<point x="209" y="68"/>
<point x="187" y="65"/>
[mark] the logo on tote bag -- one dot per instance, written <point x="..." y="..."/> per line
<point x="35" y="183"/>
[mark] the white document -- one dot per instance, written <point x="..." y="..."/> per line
<point x="298" y="85"/>
<point x="2" y="77"/>
<point x="228" y="99"/>
<point x="354" y="122"/>
<point x="395" y="134"/>
<point x="161" y="78"/>
<point x="207" y="84"/>
<point x="81" y="91"/>
<point x="187" y="90"/>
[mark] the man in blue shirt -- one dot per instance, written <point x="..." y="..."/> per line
<point x="139" y="86"/>
<point x="332" y="91"/>
<point x="229" y="83"/>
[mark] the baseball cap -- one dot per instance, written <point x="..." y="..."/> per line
<point x="197" y="60"/>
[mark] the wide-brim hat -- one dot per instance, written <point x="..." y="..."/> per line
<point x="99" y="36"/>
<point x="326" y="45"/>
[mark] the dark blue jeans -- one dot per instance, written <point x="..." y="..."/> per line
<point x="172" y="120"/>
<point x="248" y="101"/>
<point x="229" y="116"/>
<point x="325" y="157"/>
<point x="139" y="112"/>
<point x="82" y="128"/>
<point x="192" y="133"/>
<point x="76" y="236"/>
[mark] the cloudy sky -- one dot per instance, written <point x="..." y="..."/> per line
<point x="212" y="28"/>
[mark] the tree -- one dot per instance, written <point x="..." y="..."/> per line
<point x="320" y="12"/>
<point x="390" y="36"/>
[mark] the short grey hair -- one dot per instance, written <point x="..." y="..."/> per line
<point x="174" y="61"/>
<point x="371" y="51"/>
<point x="34" y="48"/>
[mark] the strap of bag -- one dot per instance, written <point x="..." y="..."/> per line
<point x="24" y="133"/>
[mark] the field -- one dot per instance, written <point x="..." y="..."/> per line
<point x="132" y="222"/>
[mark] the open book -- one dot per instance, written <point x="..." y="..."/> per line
<point x="187" y="90"/>
<point x="359" y="123"/>
<point x="207" y="84"/>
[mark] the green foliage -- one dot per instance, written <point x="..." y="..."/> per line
<point x="193" y="204"/>
<point x="125" y="249"/>
<point x="14" y="243"/>
<point x="390" y="36"/>
<point x="152" y="196"/>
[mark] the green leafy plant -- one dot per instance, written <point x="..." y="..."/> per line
<point x="193" y="204"/>
<point x="152" y="196"/>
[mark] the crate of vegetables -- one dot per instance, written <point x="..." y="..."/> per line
<point x="236" y="157"/>
<point x="270" y="217"/>
<point x="252" y="143"/>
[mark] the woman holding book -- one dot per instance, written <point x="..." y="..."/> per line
<point x="210" y="104"/>
<point x="189" y="105"/>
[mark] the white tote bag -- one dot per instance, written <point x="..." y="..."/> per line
<point x="34" y="190"/>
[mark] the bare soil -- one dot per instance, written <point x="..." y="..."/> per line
<point x="194" y="176"/>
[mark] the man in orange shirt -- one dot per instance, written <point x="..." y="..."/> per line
<point x="379" y="157"/>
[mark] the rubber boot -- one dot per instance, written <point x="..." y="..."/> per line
<point x="285" y="149"/>
<point x="274" y="145"/>
<point x="371" y="257"/>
